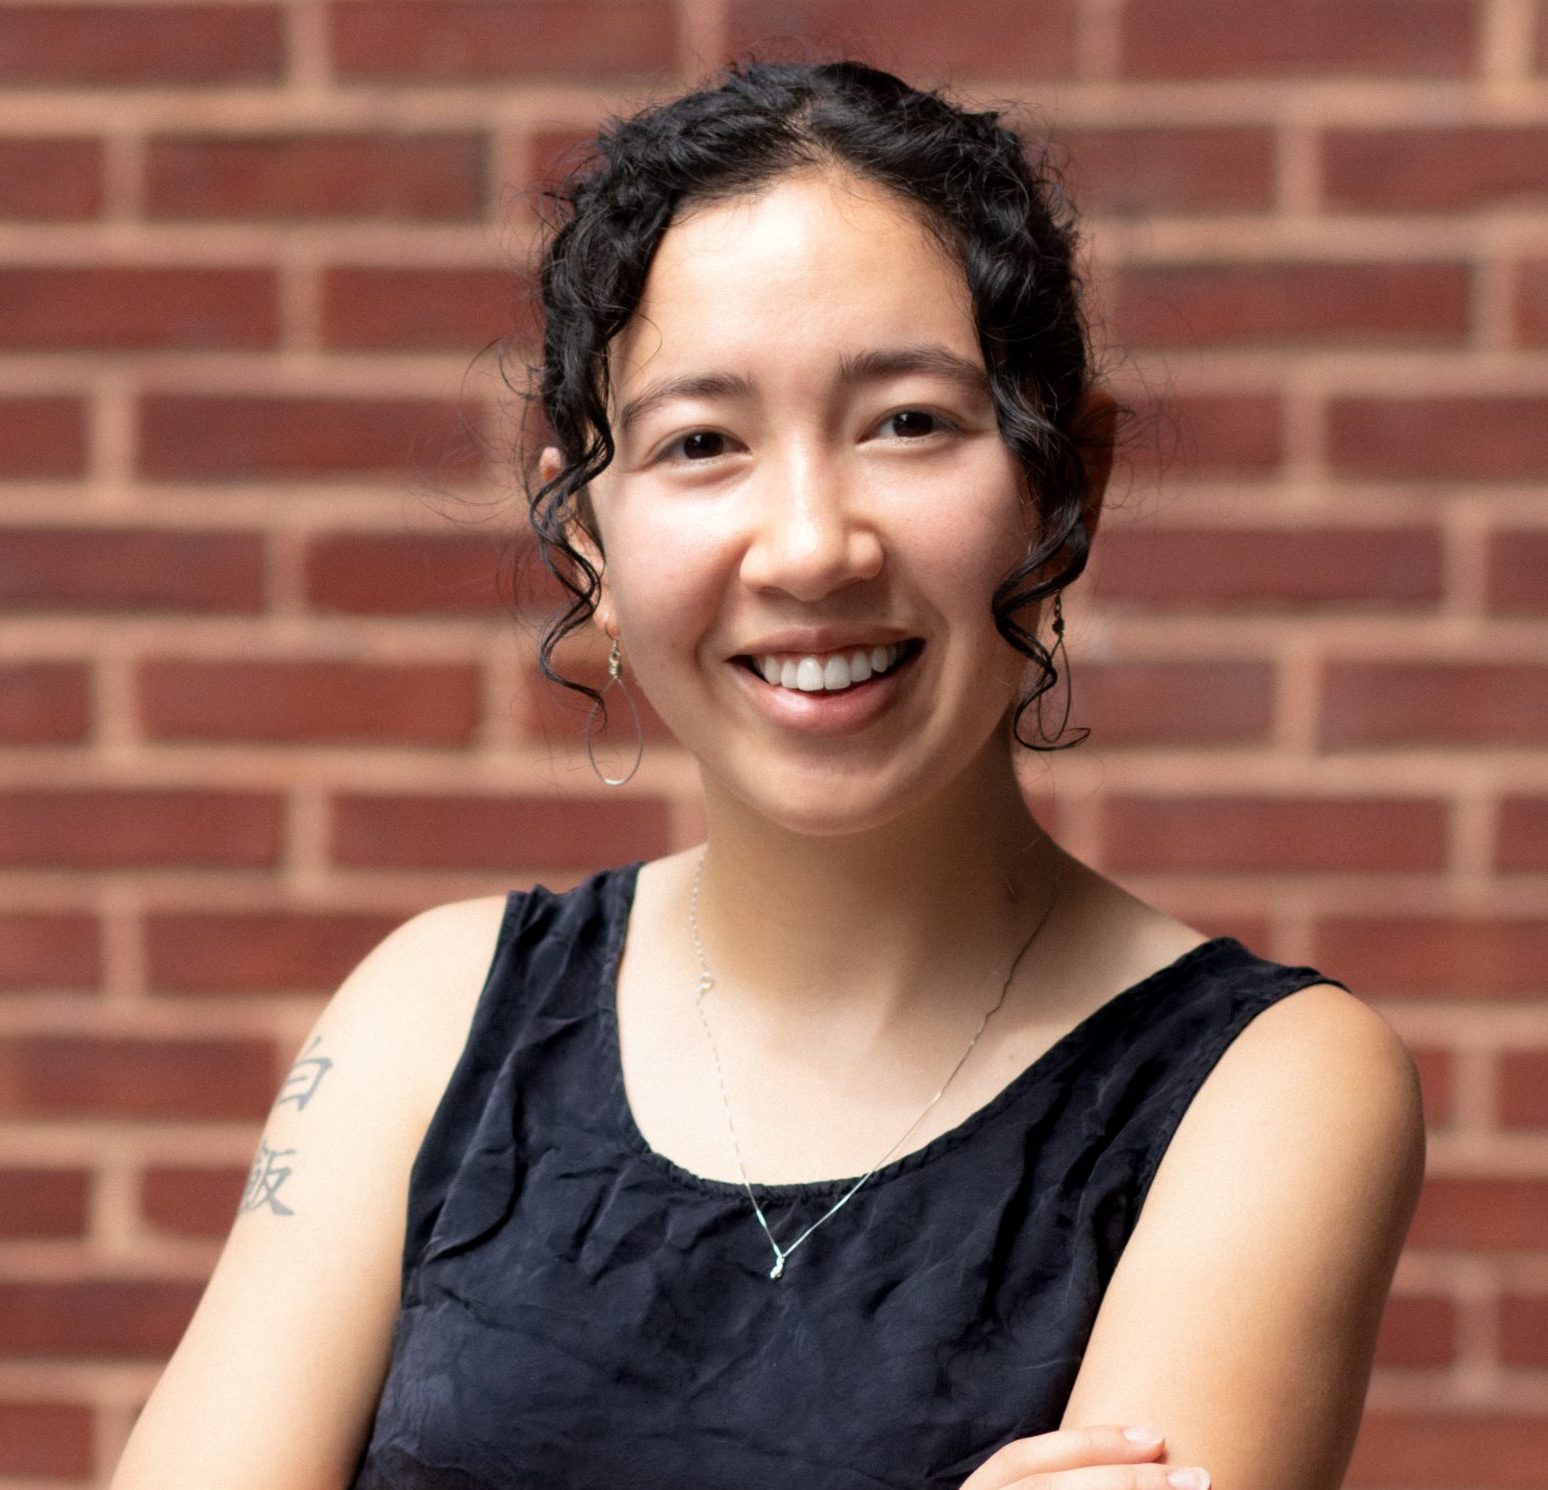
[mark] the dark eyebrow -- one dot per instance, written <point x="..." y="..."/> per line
<point x="873" y="365"/>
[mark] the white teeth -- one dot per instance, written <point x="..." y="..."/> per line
<point x="832" y="671"/>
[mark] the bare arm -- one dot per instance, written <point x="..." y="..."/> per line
<point x="276" y="1378"/>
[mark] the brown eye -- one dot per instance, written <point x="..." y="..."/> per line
<point x="922" y="420"/>
<point x="692" y="447"/>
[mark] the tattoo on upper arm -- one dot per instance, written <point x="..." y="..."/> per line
<point x="304" y="1077"/>
<point x="269" y="1171"/>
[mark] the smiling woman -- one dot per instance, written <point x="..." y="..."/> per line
<point x="681" y="1208"/>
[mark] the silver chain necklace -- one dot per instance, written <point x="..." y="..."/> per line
<point x="707" y="982"/>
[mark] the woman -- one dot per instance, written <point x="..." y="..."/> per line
<point x="642" y="1183"/>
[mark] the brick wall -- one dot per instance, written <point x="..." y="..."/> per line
<point x="260" y="698"/>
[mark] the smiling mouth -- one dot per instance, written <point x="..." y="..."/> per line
<point x="819" y="675"/>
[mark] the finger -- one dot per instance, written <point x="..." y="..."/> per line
<point x="1064" y="1448"/>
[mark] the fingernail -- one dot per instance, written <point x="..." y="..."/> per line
<point x="1142" y="1435"/>
<point x="1189" y="1479"/>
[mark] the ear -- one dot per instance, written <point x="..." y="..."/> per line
<point x="1097" y="426"/>
<point x="550" y="463"/>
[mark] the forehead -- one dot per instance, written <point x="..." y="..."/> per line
<point x="812" y="268"/>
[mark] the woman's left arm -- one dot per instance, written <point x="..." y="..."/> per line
<point x="1242" y="1317"/>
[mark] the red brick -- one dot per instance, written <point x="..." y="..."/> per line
<point x="126" y="45"/>
<point x="1500" y="437"/>
<point x="430" y="177"/>
<point x="1272" y="834"/>
<point x="1283" y="303"/>
<point x="1267" y="568"/>
<point x="113" y="307"/>
<point x="1122" y="172"/>
<point x="505" y="833"/>
<point x="122" y="1076"/>
<point x="49" y="1440"/>
<point x="1481" y="1214"/>
<point x="43" y="1202"/>
<point x="185" y="437"/>
<point x="1417" y="1332"/>
<point x="130" y="569"/>
<point x="1260" y="38"/>
<point x="123" y="828"/>
<point x="192" y="1202"/>
<point x="49" y="949"/>
<point x="1522" y="839"/>
<point x="458" y="41"/>
<point x="1518" y="572"/>
<point x="1172" y="703"/>
<point x="119" y="1317"/>
<point x="1524" y="1331"/>
<point x="1436" y="1448"/>
<point x="1433" y="957"/>
<point x="44" y="703"/>
<point x="401" y="574"/>
<point x="911" y="37"/>
<point x="283" y="951"/>
<point x="553" y="153"/>
<point x="50" y="179"/>
<point x="410" y="309"/>
<point x="1522" y="1077"/>
<point x="1207" y="434"/>
<point x="1435" y="1084"/>
<point x="42" y="437"/>
<point x="311" y="701"/>
<point x="1433" y="703"/>
<point x="1442" y="169"/>
<point x="1532" y="304"/>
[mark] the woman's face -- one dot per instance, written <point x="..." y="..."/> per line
<point x="807" y="467"/>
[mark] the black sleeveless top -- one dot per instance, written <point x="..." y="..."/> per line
<point x="580" y="1313"/>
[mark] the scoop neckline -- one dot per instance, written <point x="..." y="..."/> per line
<point x="624" y="881"/>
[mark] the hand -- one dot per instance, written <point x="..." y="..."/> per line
<point x="1075" y="1459"/>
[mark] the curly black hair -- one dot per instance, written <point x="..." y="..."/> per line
<point x="990" y="198"/>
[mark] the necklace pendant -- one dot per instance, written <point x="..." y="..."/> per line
<point x="778" y="1267"/>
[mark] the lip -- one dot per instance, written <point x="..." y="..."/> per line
<point x="816" y="640"/>
<point x="825" y="713"/>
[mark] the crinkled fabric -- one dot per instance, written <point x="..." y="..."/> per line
<point x="580" y="1313"/>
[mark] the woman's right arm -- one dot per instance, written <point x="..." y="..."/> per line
<point x="276" y="1380"/>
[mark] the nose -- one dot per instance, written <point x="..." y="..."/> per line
<point x="808" y="533"/>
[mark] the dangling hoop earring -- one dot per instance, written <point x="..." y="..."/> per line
<point x="615" y="675"/>
<point x="1058" y="646"/>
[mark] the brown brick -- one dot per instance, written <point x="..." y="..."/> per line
<point x="1417" y="1332"/>
<point x="506" y="833"/>
<point x="130" y="569"/>
<point x="1434" y="1447"/>
<point x="186" y="437"/>
<point x="1501" y="437"/>
<point x="1518" y="572"/>
<point x="1522" y="1079"/>
<point x="192" y="1202"/>
<point x="58" y="180"/>
<point x="44" y="703"/>
<point x="400" y="574"/>
<point x="49" y="949"/>
<point x="49" y="1440"/>
<point x="111" y="307"/>
<point x="1284" y="303"/>
<point x="310" y="701"/>
<point x="909" y="37"/>
<point x="1273" y="834"/>
<point x="1172" y="703"/>
<point x="1479" y="1214"/>
<point x="1442" y="169"/>
<point x="1207" y="434"/>
<point x="1532" y="304"/>
<point x="56" y="1076"/>
<point x="281" y="951"/>
<point x="1122" y="172"/>
<point x="431" y="177"/>
<point x="1433" y="703"/>
<point x="1267" y="568"/>
<point x="1261" y="38"/>
<point x="43" y="1202"/>
<point x="42" y="437"/>
<point x="1522" y="839"/>
<point x="129" y="45"/>
<point x="1524" y="1330"/>
<point x="121" y="1317"/>
<point x="411" y="309"/>
<point x="1434" y="957"/>
<point x="122" y="828"/>
<point x="459" y="41"/>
